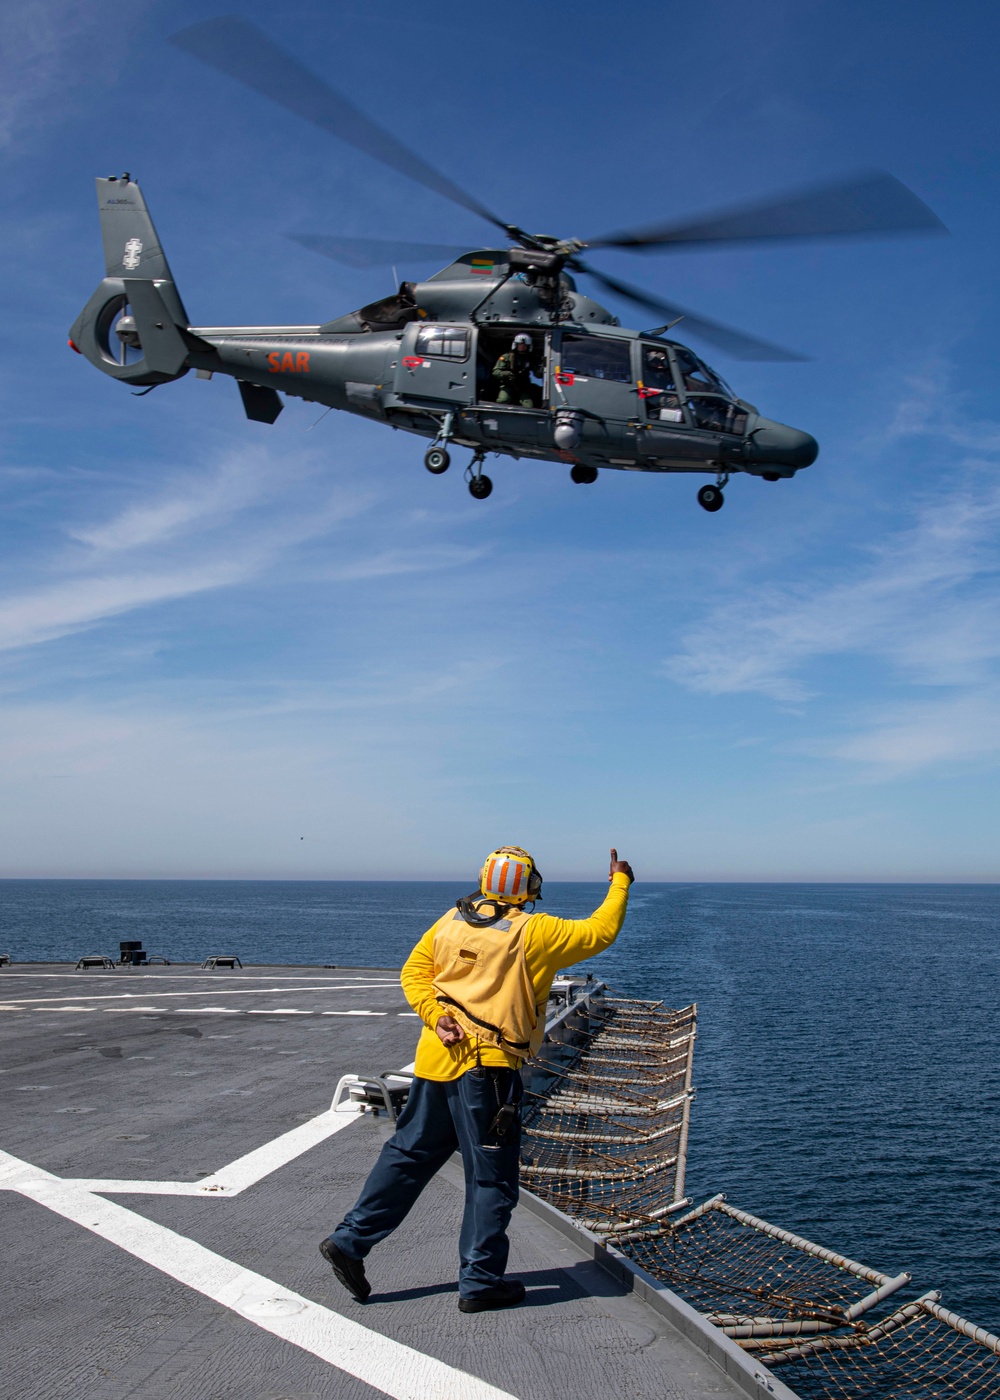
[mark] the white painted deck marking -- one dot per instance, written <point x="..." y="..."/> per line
<point x="238" y="1175"/>
<point x="354" y="1013"/>
<point x="192" y="1011"/>
<point x="386" y="1365"/>
<point x="247" y="974"/>
<point x="53" y="1003"/>
<point x="245" y="1171"/>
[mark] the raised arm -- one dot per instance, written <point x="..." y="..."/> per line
<point x="563" y="942"/>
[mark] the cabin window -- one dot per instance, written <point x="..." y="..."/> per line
<point x="443" y="342"/>
<point x="597" y="357"/>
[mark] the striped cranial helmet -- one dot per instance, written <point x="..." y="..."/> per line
<point x="509" y="874"/>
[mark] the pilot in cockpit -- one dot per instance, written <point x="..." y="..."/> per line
<point x="658" y="388"/>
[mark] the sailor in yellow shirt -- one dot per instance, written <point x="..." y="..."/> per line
<point x="480" y="980"/>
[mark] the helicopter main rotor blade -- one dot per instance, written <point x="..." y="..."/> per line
<point x="735" y="343"/>
<point x="376" y="252"/>
<point x="239" y="49"/>
<point x="872" y="202"/>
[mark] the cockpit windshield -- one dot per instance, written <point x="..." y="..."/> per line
<point x="698" y="378"/>
<point x="709" y="401"/>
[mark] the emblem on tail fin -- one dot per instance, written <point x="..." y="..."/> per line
<point x="133" y="251"/>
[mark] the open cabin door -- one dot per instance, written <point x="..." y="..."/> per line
<point x="437" y="362"/>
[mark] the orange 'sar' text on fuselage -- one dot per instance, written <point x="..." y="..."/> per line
<point x="288" y="363"/>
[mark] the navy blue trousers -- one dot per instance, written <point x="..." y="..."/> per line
<point x="437" y="1119"/>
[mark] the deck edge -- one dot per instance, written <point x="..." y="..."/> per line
<point x="752" y="1377"/>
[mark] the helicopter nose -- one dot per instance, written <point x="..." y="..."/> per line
<point x="778" y="445"/>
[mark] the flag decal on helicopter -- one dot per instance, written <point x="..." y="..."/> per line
<point x="482" y="265"/>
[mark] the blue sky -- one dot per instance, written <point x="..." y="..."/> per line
<point x="218" y="638"/>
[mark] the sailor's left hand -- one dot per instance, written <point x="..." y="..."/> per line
<point x="448" y="1031"/>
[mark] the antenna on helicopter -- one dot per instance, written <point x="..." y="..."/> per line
<point x="662" y="330"/>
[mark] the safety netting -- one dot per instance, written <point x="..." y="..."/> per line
<point x="752" y="1279"/>
<point x="919" y="1352"/>
<point x="605" y="1137"/>
<point x="605" y="1140"/>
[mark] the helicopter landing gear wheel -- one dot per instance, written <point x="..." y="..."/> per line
<point x="480" y="487"/>
<point x="711" y="498"/>
<point x="583" y="476"/>
<point x="436" y="460"/>
<point x="770" y="476"/>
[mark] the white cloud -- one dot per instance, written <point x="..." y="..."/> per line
<point x="244" y="518"/>
<point x="926" y="600"/>
<point x="197" y="533"/>
<point x="47" y="46"/>
<point x="916" y="735"/>
<point x="56" y="611"/>
<point x="193" y="502"/>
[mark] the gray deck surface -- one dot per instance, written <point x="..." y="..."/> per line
<point x="131" y="1075"/>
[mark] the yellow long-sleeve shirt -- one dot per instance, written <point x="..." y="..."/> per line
<point x="549" y="944"/>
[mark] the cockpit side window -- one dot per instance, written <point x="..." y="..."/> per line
<point x="658" y="388"/>
<point x="597" y="357"/>
<point x="443" y="342"/>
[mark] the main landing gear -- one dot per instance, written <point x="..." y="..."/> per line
<point x="437" y="460"/>
<point x="583" y="475"/>
<point x="710" y="497"/>
<point x="480" y="485"/>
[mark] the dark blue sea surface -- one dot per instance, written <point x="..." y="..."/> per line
<point x="847" y="1066"/>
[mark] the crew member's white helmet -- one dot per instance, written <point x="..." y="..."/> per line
<point x="522" y="342"/>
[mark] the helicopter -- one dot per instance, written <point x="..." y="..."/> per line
<point x="591" y="393"/>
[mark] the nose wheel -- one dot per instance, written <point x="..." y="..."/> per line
<point x="711" y="498"/>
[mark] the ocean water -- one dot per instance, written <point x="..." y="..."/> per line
<point x="848" y="1061"/>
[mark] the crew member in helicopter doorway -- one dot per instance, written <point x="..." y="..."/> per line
<point x="513" y="373"/>
<point x="479" y="979"/>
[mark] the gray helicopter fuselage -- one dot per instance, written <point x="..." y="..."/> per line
<point x="423" y="360"/>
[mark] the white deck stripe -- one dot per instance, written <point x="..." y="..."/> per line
<point x="190" y="1011"/>
<point x="237" y="1176"/>
<point x="216" y="991"/>
<point x="246" y="974"/>
<point x="386" y="1365"/>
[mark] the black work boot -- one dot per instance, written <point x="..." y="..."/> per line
<point x="350" y="1272"/>
<point x="506" y="1294"/>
